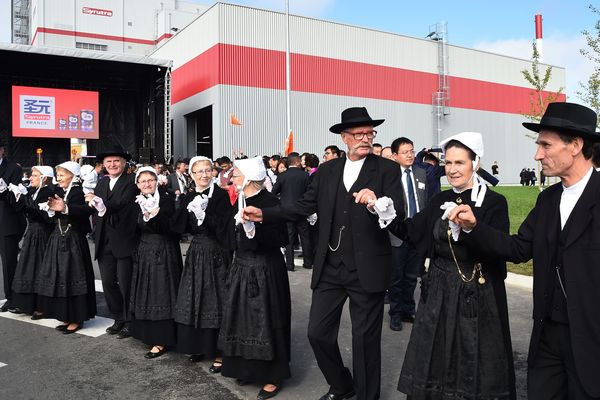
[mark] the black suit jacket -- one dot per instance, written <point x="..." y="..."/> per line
<point x="291" y="185"/>
<point x="371" y="243"/>
<point x="119" y="221"/>
<point x="12" y="222"/>
<point x="537" y="238"/>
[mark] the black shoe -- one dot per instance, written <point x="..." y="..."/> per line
<point x="291" y="269"/>
<point x="15" y="310"/>
<point x="7" y="306"/>
<point x="331" y="396"/>
<point x="263" y="394"/>
<point x="195" y="358"/>
<point x="61" y="327"/>
<point x="149" y="355"/>
<point x="115" y="328"/>
<point x="125" y="333"/>
<point x="67" y="331"/>
<point x="216" y="367"/>
<point x="37" y="315"/>
<point x="409" y="319"/>
<point x="395" y="324"/>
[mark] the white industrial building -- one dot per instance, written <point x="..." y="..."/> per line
<point x="230" y="61"/>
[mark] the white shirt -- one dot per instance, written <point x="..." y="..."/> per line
<point x="570" y="196"/>
<point x="351" y="171"/>
<point x="113" y="182"/>
<point x="405" y="185"/>
<point x="180" y="181"/>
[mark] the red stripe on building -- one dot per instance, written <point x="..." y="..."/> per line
<point x="252" y="67"/>
<point x="64" y="32"/>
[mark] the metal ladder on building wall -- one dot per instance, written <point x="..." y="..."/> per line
<point x="441" y="97"/>
<point x="167" y="130"/>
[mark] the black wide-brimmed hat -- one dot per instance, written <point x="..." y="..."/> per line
<point x="355" y="116"/>
<point x="569" y="119"/>
<point x="116" y="150"/>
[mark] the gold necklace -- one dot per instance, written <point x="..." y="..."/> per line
<point x="476" y="266"/>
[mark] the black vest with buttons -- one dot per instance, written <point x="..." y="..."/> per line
<point x="341" y="218"/>
<point x="557" y="310"/>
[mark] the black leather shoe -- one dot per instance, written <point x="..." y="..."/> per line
<point x="409" y="319"/>
<point x="67" y="331"/>
<point x="37" y="315"/>
<point x="124" y="333"/>
<point x="291" y="269"/>
<point x="61" y="327"/>
<point x="216" y="367"/>
<point x="150" y="355"/>
<point x="15" y="310"/>
<point x="6" y="307"/>
<point x="263" y="394"/>
<point x="115" y="328"/>
<point x="396" y="324"/>
<point x="331" y="396"/>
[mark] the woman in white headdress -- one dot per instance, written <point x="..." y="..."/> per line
<point x="460" y="344"/>
<point x="255" y="332"/>
<point x="205" y="213"/>
<point x="156" y="266"/>
<point x="39" y="228"/>
<point x="65" y="281"/>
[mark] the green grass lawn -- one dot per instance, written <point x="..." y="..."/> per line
<point x="520" y="201"/>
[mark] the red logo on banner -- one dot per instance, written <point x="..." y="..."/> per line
<point x="97" y="11"/>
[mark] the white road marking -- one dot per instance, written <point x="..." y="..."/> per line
<point x="2" y="364"/>
<point x="93" y="328"/>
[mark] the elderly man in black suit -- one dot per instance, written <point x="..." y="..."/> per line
<point x="12" y="224"/>
<point x="353" y="254"/>
<point x="562" y="235"/>
<point x="290" y="186"/>
<point x="115" y="239"/>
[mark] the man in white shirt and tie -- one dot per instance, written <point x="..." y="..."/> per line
<point x="177" y="181"/>
<point x="405" y="260"/>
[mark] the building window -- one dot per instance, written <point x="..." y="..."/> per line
<point x="91" y="46"/>
<point x="129" y="23"/>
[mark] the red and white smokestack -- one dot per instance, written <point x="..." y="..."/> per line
<point x="538" y="36"/>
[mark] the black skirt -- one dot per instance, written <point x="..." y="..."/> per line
<point x="255" y="333"/>
<point x="201" y="341"/>
<point x="65" y="280"/>
<point x="31" y="256"/>
<point x="155" y="278"/>
<point x="457" y="348"/>
<point x="155" y="333"/>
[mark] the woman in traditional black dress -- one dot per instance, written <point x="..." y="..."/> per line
<point x="39" y="228"/>
<point x="65" y="281"/>
<point x="156" y="267"/>
<point x="255" y="332"/>
<point x="460" y="346"/>
<point x="204" y="213"/>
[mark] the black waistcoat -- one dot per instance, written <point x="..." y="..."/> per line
<point x="557" y="310"/>
<point x="344" y="254"/>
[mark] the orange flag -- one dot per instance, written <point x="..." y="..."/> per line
<point x="234" y="120"/>
<point x="289" y="144"/>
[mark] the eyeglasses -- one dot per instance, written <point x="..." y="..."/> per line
<point x="361" y="135"/>
<point x="202" y="171"/>
<point x="407" y="152"/>
<point x="146" y="182"/>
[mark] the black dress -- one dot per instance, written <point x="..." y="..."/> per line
<point x="202" y="289"/>
<point x="255" y="332"/>
<point x="460" y="346"/>
<point x="155" y="277"/>
<point x="65" y="281"/>
<point x="33" y="249"/>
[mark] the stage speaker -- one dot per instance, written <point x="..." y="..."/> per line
<point x="145" y="155"/>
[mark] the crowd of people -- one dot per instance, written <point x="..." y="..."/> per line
<point x="370" y="219"/>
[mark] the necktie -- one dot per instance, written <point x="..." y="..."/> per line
<point x="412" y="203"/>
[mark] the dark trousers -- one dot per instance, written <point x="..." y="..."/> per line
<point x="116" y="283"/>
<point x="553" y="375"/>
<point x="366" y="313"/>
<point x="405" y="268"/>
<point x="9" y="250"/>
<point x="294" y="229"/>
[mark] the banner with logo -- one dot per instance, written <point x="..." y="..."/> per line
<point x="54" y="113"/>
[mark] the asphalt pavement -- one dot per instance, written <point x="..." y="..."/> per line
<point x="37" y="362"/>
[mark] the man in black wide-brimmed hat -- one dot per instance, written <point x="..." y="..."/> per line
<point x="12" y="225"/>
<point x="353" y="255"/>
<point x="562" y="235"/>
<point x="113" y="198"/>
